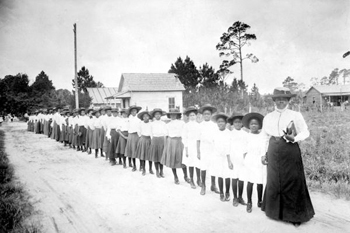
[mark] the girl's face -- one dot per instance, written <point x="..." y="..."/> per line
<point x="237" y="124"/>
<point x="97" y="114"/>
<point x="157" y="115"/>
<point x="281" y="102"/>
<point x="207" y="115"/>
<point x="115" y="114"/>
<point x="173" y="117"/>
<point x="133" y="112"/>
<point x="192" y="116"/>
<point x="124" y="115"/>
<point x="103" y="112"/>
<point x="82" y="113"/>
<point x="146" y="118"/>
<point x="254" y="126"/>
<point x="109" y="113"/>
<point x="221" y="123"/>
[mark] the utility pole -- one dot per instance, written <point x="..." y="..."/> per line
<point x="75" y="67"/>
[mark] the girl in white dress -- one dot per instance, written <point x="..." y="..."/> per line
<point x="190" y="136"/>
<point x="133" y="137"/>
<point x="254" y="169"/>
<point x="144" y="143"/>
<point x="221" y="163"/>
<point x="238" y="147"/>
<point x="123" y="133"/>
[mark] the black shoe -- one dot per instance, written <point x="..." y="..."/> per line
<point x="134" y="169"/>
<point x="143" y="172"/>
<point x="222" y="197"/>
<point x="157" y="174"/>
<point x="241" y="201"/>
<point x="151" y="172"/>
<point x="161" y="174"/>
<point x="235" y="202"/>
<point x="249" y="207"/>
<point x="78" y="149"/>
<point x="203" y="190"/>
<point x="89" y="152"/>
<point x="130" y="165"/>
<point x="199" y="183"/>
<point x="188" y="180"/>
<point x="214" y="189"/>
<point x="192" y="184"/>
<point x="113" y="163"/>
<point x="95" y="155"/>
<point x="227" y="197"/>
<point x="102" y="155"/>
<point x="177" y="181"/>
<point x="259" y="204"/>
<point x="296" y="224"/>
<point x="124" y="165"/>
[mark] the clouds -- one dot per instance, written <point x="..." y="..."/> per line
<point x="301" y="39"/>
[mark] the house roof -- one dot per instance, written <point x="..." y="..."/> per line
<point x="332" y="89"/>
<point x="98" y="95"/>
<point x="149" y="82"/>
<point x="120" y="95"/>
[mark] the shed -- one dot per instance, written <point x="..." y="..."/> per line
<point x="149" y="90"/>
<point x="334" y="95"/>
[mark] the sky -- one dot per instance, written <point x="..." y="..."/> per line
<point x="300" y="38"/>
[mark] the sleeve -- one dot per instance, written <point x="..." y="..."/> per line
<point x="301" y="127"/>
<point x="264" y="135"/>
<point x="166" y="129"/>
<point x="184" y="134"/>
<point x="139" y="131"/>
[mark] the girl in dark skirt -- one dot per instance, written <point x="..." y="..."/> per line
<point x="172" y="155"/>
<point x="96" y="135"/>
<point x="89" y="130"/>
<point x="133" y="137"/>
<point x="144" y="143"/>
<point x="286" y="195"/>
<point x="123" y="136"/>
<point x="254" y="171"/>
<point x="105" y="120"/>
<point x="113" y="136"/>
<point x="158" y="132"/>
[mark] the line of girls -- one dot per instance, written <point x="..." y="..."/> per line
<point x="234" y="156"/>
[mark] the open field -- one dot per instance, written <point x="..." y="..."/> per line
<point x="74" y="192"/>
<point x="326" y="153"/>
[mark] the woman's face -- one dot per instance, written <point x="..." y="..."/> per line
<point x="281" y="102"/>
<point x="82" y="113"/>
<point x="221" y="123"/>
<point x="192" y="116"/>
<point x="237" y="124"/>
<point x="173" y="117"/>
<point x="254" y="125"/>
<point x="124" y="115"/>
<point x="145" y="118"/>
<point x="157" y="115"/>
<point x="97" y="114"/>
<point x="133" y="112"/>
<point x="115" y="114"/>
<point x="109" y="113"/>
<point x="207" y="115"/>
<point x="103" y="112"/>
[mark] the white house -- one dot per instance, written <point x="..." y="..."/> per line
<point x="99" y="95"/>
<point x="149" y="90"/>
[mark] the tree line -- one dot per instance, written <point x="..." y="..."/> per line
<point x="18" y="96"/>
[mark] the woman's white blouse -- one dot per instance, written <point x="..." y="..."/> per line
<point x="206" y="131"/>
<point x="113" y="123"/>
<point x="98" y="123"/>
<point x="158" y="128"/>
<point x="275" y="122"/>
<point x="190" y="132"/>
<point x="174" y="128"/>
<point x="144" y="129"/>
<point x="134" y="124"/>
<point x="124" y="124"/>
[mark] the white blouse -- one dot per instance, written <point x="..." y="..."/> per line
<point x="206" y="131"/>
<point x="105" y="121"/>
<point x="134" y="124"/>
<point x="158" y="128"/>
<point x="190" y="132"/>
<point x="98" y="123"/>
<point x="174" y="128"/>
<point x="113" y="123"/>
<point x="275" y="122"/>
<point x="124" y="124"/>
<point x="144" y="129"/>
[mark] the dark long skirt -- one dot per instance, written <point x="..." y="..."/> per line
<point x="62" y="133"/>
<point x="157" y="149"/>
<point x="112" y="146"/>
<point x="88" y="137"/>
<point x="70" y="135"/>
<point x="53" y="131"/>
<point x="37" y="127"/>
<point x="143" y="146"/>
<point x="96" y="139"/>
<point x="122" y="143"/>
<point x="131" y="145"/>
<point x="82" y="137"/>
<point x="286" y="194"/>
<point x="172" y="155"/>
<point x="102" y="135"/>
<point x="58" y="132"/>
<point x="75" y="135"/>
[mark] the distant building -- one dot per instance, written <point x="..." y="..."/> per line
<point x="149" y="90"/>
<point x="99" y="95"/>
<point x="333" y="95"/>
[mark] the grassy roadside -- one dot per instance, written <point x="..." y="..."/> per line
<point x="15" y="206"/>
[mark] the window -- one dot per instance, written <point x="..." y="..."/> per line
<point x="171" y="102"/>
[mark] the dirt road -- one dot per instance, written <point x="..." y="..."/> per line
<point x="74" y="192"/>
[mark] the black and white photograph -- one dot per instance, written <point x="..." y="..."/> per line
<point x="174" y="116"/>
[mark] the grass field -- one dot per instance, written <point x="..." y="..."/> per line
<point x="326" y="153"/>
<point x="15" y="207"/>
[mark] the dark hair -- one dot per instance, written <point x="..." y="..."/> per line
<point x="257" y="119"/>
<point x="189" y="112"/>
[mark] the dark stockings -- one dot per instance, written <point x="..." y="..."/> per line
<point x="184" y="169"/>
<point x="213" y="181"/>
<point x="240" y="184"/>
<point x="259" y="188"/>
<point x="203" y="175"/>
<point x="191" y="172"/>
<point x="221" y="185"/>
<point x="198" y="173"/>
<point x="174" y="172"/>
<point x="227" y="184"/>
